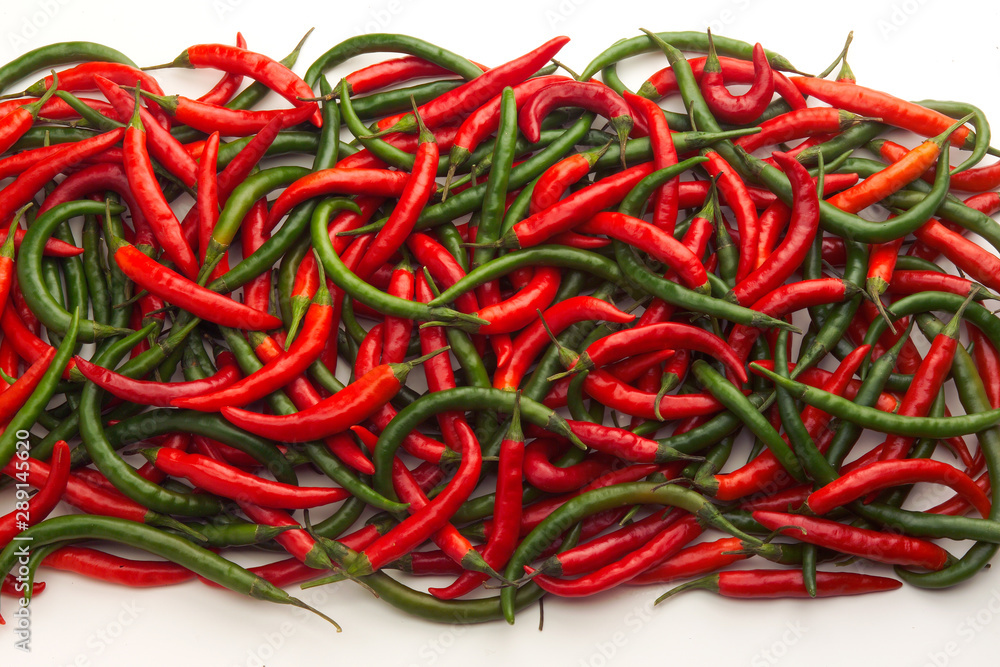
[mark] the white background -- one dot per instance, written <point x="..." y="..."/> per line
<point x="914" y="49"/>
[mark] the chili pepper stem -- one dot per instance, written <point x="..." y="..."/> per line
<point x="708" y="583"/>
<point x="840" y="56"/>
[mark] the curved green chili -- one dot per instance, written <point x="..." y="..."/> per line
<point x="29" y="267"/>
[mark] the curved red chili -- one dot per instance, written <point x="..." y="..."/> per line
<point x="737" y="109"/>
<point x="187" y="294"/>
<point x="880" y="547"/>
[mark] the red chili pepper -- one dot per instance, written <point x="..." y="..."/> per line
<point x="412" y="200"/>
<point x="42" y="503"/>
<point x="83" y="77"/>
<point x="518" y="311"/>
<point x="257" y="292"/>
<point x="185" y="293"/>
<point x="115" y="569"/>
<point x="977" y="179"/>
<point x="437" y="370"/>
<point x="148" y="392"/>
<point x="982" y="265"/>
<point x="734" y="193"/>
<point x="207" y="117"/>
<point x="665" y="544"/>
<point x="731" y="108"/>
<point x="506" y="510"/>
<point x="664" y="82"/>
<point x="231" y="482"/>
<point x="787" y="299"/>
<point x="780" y="264"/>
<point x="608" y="548"/>
<point x="31" y="180"/>
<point x="912" y="281"/>
<point x="617" y="395"/>
<point x="533" y="339"/>
<point x="303" y="395"/>
<point x="889" y="109"/>
<point x="374" y="182"/>
<point x="477" y="92"/>
<point x="14" y="396"/>
<point x="228" y="85"/>
<point x="987" y="363"/>
<point x="296" y="541"/>
<point x="179" y="441"/>
<point x="870" y="544"/>
<point x="391" y="72"/>
<point x="14" y="123"/>
<point x="588" y="95"/>
<point x="88" y="498"/>
<point x="554" y="181"/>
<point x="444" y="269"/>
<point x="623" y="444"/>
<point x="804" y="122"/>
<point x="417" y="527"/>
<point x="575" y="209"/>
<point x="304" y="350"/>
<point x="396" y="331"/>
<point x="151" y="200"/>
<point x="207" y="202"/>
<point x="160" y="143"/>
<point x="350" y="406"/>
<point x="926" y="383"/>
<point x="664" y="155"/>
<point x="885" y="474"/>
<point x="544" y="475"/>
<point x="655" y="337"/>
<point x="655" y="241"/>
<point x="256" y="66"/>
<point x="750" y="584"/>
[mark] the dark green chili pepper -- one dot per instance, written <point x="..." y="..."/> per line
<point x="51" y="313"/>
<point x="730" y="396"/>
<point x="495" y="196"/>
<point x="688" y="41"/>
<point x="376" y="42"/>
<point x="328" y="150"/>
<point x="121" y="474"/>
<point x="461" y="398"/>
<point x="345" y="279"/>
<point x="95" y="272"/>
<point x="960" y="110"/>
<point x="15" y="431"/>
<point x="802" y="444"/>
<point x="243" y="197"/>
<point x="591" y="502"/>
<point x="542" y="255"/>
<point x="61" y="53"/>
<point x="640" y="149"/>
<point x="471" y="199"/>
<point x="176" y="549"/>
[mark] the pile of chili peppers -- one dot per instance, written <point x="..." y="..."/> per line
<point x="608" y="303"/>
